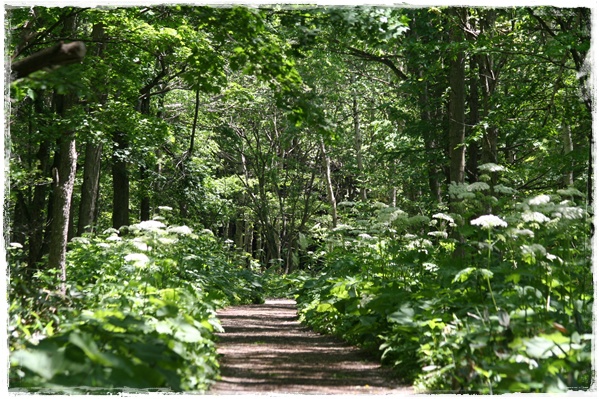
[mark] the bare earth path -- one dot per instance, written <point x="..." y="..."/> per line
<point x="265" y="350"/>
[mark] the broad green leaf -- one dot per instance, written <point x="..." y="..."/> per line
<point x="42" y="362"/>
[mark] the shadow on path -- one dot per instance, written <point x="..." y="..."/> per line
<point x="265" y="350"/>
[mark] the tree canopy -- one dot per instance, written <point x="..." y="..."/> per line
<point x="419" y="179"/>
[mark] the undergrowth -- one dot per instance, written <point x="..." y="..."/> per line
<point x="139" y="312"/>
<point x="493" y="297"/>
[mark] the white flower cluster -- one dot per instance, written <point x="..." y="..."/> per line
<point x="149" y="225"/>
<point x="570" y="192"/>
<point x="418" y="244"/>
<point x="534" y="249"/>
<point x="440" y="234"/>
<point x="137" y="259"/>
<point x="536" y="217"/>
<point x="489" y="221"/>
<point x="491" y="167"/>
<point x="183" y="230"/>
<point x="569" y="212"/>
<point x="540" y="200"/>
<point x="444" y="216"/>
<point x="522" y="232"/>
<point x="114" y="237"/>
<point x="431" y="267"/>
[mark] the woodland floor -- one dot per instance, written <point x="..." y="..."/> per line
<point x="265" y="350"/>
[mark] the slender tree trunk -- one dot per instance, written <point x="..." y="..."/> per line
<point x="488" y="82"/>
<point x="457" y="127"/>
<point x="329" y="182"/>
<point x="429" y="144"/>
<point x="90" y="188"/>
<point x="473" y="120"/>
<point x="358" y="141"/>
<point x="64" y="181"/>
<point x="36" y="228"/>
<point x="120" y="183"/>
<point x="568" y="178"/>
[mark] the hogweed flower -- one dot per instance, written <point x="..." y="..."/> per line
<point x="137" y="259"/>
<point x="443" y="216"/>
<point x="489" y="221"/>
<point x="538" y="217"/>
<point x="151" y="225"/>
<point x="183" y="230"/>
<point x="491" y="167"/>
<point x="539" y="200"/>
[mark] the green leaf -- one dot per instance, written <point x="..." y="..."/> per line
<point x="86" y="343"/>
<point x="404" y="316"/>
<point x="464" y="274"/>
<point x="45" y="363"/>
<point x="186" y="332"/>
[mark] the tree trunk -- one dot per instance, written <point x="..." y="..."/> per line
<point x="358" y="141"/>
<point x="473" y="120"/>
<point x="457" y="129"/>
<point x="36" y="227"/>
<point x="90" y="188"/>
<point x="568" y="177"/>
<point x="120" y="183"/>
<point x="329" y="182"/>
<point x="64" y="181"/>
<point x="144" y="200"/>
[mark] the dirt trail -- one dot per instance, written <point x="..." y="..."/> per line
<point x="265" y="350"/>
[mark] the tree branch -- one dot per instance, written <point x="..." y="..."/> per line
<point x="57" y="55"/>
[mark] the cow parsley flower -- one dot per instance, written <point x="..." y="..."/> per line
<point x="150" y="225"/>
<point x="489" y="221"/>
<point x="137" y="259"/>
<point x="522" y="232"/>
<point x="570" y="212"/>
<point x="539" y="200"/>
<point x="441" y="234"/>
<point x="570" y="192"/>
<point x="537" y="217"/>
<point x="443" y="217"/>
<point x="183" y="230"/>
<point x="534" y="249"/>
<point x="491" y="167"/>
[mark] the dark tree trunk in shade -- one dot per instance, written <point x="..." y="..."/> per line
<point x="120" y="183"/>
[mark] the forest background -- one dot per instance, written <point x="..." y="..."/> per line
<point x="420" y="180"/>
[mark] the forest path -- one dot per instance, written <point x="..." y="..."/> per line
<point x="265" y="350"/>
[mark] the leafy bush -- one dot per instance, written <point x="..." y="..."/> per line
<point x="140" y="313"/>
<point x="468" y="301"/>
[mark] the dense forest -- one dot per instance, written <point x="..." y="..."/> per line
<point x="418" y="179"/>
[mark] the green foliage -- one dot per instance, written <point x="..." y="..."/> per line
<point x="141" y="313"/>
<point x="510" y="311"/>
<point x="231" y="116"/>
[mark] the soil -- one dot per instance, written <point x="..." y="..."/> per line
<point x="265" y="349"/>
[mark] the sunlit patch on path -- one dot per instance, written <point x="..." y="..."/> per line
<point x="265" y="349"/>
